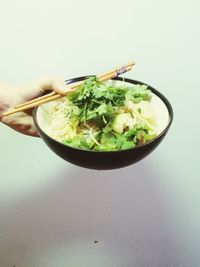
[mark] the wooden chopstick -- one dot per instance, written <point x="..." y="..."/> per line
<point x="53" y="95"/>
<point x="72" y="86"/>
<point x="36" y="99"/>
<point x="45" y="96"/>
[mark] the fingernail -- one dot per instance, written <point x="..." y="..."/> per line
<point x="63" y="89"/>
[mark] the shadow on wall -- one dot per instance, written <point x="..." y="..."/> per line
<point x="123" y="209"/>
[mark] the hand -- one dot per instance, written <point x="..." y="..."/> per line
<point x="11" y="95"/>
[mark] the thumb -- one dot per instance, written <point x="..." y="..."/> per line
<point x="39" y="86"/>
<point x="60" y="86"/>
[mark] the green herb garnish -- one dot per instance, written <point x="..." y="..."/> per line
<point x="103" y="117"/>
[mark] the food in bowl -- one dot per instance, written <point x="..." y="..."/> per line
<point x="112" y="159"/>
<point x="104" y="117"/>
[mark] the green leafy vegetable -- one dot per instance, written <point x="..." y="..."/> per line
<point x="106" y="117"/>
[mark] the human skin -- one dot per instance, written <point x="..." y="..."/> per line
<point x="12" y="95"/>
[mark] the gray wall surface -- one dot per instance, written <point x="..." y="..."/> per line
<point x="148" y="214"/>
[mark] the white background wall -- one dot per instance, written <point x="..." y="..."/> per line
<point x="143" y="215"/>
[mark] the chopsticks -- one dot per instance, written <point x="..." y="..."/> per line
<point x="54" y="95"/>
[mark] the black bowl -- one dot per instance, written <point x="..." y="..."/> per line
<point x="110" y="159"/>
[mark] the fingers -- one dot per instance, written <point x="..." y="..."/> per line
<point x="21" y="123"/>
<point x="54" y="83"/>
<point x="15" y="95"/>
<point x="60" y="86"/>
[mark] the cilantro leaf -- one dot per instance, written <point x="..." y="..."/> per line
<point x="94" y="108"/>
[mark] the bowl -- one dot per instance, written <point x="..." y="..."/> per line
<point x="108" y="159"/>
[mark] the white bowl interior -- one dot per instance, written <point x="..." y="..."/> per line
<point x="160" y="110"/>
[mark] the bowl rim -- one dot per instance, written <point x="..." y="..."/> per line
<point x="123" y="79"/>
